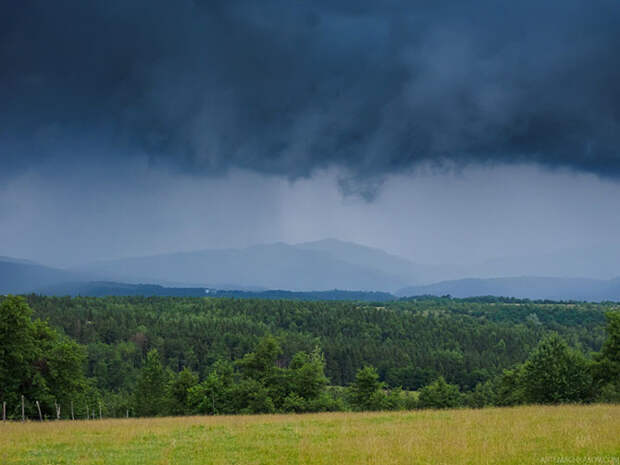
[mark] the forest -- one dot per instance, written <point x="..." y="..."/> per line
<point x="150" y="356"/>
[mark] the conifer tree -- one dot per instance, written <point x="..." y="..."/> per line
<point x="151" y="389"/>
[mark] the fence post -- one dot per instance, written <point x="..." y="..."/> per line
<point x="57" y="411"/>
<point x="72" y="417"/>
<point x="39" y="409"/>
<point x="87" y="414"/>
<point x="23" y="410"/>
<point x="3" y="411"/>
<point x="100" y="416"/>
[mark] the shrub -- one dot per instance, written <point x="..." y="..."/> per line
<point x="440" y="394"/>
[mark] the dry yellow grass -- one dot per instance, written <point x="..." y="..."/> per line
<point x="522" y="435"/>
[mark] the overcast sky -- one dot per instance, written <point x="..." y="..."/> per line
<point x="446" y="132"/>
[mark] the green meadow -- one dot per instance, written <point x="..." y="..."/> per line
<point x="568" y="434"/>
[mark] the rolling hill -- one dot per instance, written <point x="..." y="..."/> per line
<point x="315" y="266"/>
<point x="527" y="287"/>
<point x="19" y="276"/>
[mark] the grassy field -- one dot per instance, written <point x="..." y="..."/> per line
<point x="566" y="435"/>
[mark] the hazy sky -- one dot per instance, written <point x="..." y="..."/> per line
<point x="465" y="217"/>
<point x="448" y="132"/>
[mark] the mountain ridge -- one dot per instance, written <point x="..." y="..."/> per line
<point x="528" y="287"/>
<point x="303" y="267"/>
<point x="315" y="266"/>
<point x="19" y="276"/>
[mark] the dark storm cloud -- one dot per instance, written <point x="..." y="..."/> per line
<point x="287" y="87"/>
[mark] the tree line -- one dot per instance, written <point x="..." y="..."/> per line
<point x="176" y="356"/>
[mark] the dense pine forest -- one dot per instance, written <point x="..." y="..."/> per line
<point x="145" y="356"/>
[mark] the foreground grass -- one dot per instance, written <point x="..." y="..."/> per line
<point x="565" y="434"/>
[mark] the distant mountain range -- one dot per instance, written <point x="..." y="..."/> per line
<point x="526" y="287"/>
<point x="304" y="270"/>
<point x="534" y="288"/>
<point x="19" y="276"/>
<point x="591" y="262"/>
<point x="312" y="266"/>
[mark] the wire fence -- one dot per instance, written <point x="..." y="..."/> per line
<point x="28" y="410"/>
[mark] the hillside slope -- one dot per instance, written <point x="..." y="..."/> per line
<point x="528" y="287"/>
<point x="303" y="267"/>
<point x="18" y="276"/>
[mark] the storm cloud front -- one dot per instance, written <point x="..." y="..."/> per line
<point x="287" y="88"/>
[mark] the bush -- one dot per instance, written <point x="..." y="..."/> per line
<point x="440" y="394"/>
<point x="482" y="395"/>
<point x="610" y="393"/>
<point x="366" y="392"/>
<point x="394" y="399"/>
<point x="510" y="389"/>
